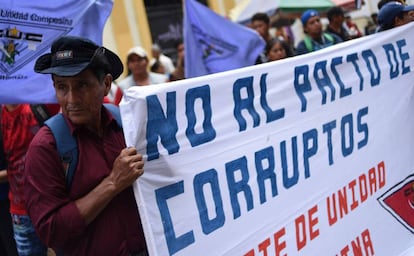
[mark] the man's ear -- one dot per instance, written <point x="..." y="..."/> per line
<point x="107" y="83"/>
<point x="396" y="21"/>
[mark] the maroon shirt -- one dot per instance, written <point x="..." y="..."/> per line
<point x="116" y="230"/>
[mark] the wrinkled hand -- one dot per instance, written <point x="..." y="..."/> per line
<point x="128" y="166"/>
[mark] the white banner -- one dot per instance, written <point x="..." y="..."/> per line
<point x="311" y="155"/>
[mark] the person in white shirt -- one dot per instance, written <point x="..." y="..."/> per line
<point x="166" y="61"/>
<point x="137" y="63"/>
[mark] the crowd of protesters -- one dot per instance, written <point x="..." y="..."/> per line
<point x="340" y="28"/>
<point x="40" y="211"/>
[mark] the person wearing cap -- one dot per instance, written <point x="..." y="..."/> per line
<point x="137" y="63"/>
<point x="394" y="14"/>
<point x="315" y="39"/>
<point x="97" y="214"/>
<point x="381" y="3"/>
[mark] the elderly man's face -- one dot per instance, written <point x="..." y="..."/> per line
<point x="81" y="96"/>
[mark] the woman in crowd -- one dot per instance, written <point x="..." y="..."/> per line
<point x="278" y="49"/>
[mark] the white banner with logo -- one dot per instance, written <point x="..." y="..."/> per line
<point x="27" y="30"/>
<point x="311" y="155"/>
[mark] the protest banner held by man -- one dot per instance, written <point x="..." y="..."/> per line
<point x="95" y="212"/>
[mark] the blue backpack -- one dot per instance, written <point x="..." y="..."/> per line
<point x="66" y="143"/>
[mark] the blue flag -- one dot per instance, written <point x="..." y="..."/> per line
<point x="27" y="31"/>
<point x="214" y="44"/>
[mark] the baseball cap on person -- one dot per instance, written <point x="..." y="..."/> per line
<point x="307" y="15"/>
<point x="70" y="55"/>
<point x="389" y="11"/>
<point x="138" y="50"/>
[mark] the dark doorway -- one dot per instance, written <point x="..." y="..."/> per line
<point x="165" y="18"/>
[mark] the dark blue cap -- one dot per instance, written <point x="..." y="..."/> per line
<point x="307" y="15"/>
<point x="389" y="11"/>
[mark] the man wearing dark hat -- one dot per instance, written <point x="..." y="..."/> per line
<point x="394" y="14"/>
<point x="97" y="214"/>
<point x="315" y="39"/>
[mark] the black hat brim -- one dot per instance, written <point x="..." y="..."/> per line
<point x="43" y="65"/>
<point x="116" y="64"/>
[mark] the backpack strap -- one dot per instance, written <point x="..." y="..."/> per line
<point x="329" y="37"/>
<point x="66" y="142"/>
<point x="308" y="43"/>
<point x="40" y="112"/>
<point x="115" y="113"/>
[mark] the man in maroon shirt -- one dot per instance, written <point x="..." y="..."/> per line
<point x="98" y="214"/>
